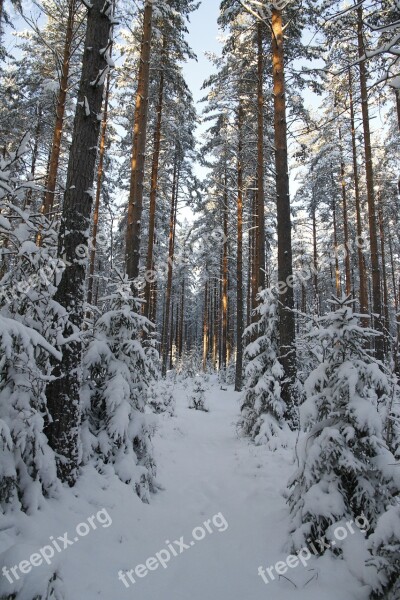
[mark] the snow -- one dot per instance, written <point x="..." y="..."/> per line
<point x="204" y="469"/>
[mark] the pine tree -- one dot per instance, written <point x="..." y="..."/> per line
<point x="63" y="394"/>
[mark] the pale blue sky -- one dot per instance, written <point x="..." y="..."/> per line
<point x="203" y="32"/>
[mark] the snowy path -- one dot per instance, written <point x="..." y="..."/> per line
<point x="205" y="470"/>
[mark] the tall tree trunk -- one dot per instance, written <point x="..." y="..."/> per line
<point x="171" y="339"/>
<point x="396" y="292"/>
<point x="164" y="346"/>
<point x="397" y="94"/>
<point x="260" y="161"/>
<point x="215" y="321"/>
<point x="182" y="320"/>
<point x="363" y="294"/>
<point x="225" y="278"/>
<point x="249" y="267"/>
<point x="345" y="219"/>
<point x="394" y="286"/>
<point x="287" y="331"/>
<point x="376" y="276"/>
<point x="63" y="394"/>
<point x="254" y="263"/>
<point x="35" y="151"/>
<point x="239" y="259"/>
<point x="384" y="279"/>
<point x="153" y="194"/>
<point x="96" y="211"/>
<point x="315" y="259"/>
<point x="205" y="328"/>
<point x="135" y="207"/>
<point x="48" y="200"/>
<point x="338" y="286"/>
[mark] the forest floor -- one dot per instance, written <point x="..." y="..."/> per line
<point x="209" y="475"/>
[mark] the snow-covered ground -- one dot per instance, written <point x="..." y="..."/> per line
<point x="209" y="475"/>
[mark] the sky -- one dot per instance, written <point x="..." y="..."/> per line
<point x="203" y="32"/>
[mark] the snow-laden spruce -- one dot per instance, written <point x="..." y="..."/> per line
<point x="29" y="320"/>
<point x="197" y="398"/>
<point x="345" y="467"/>
<point x="161" y="397"/>
<point x="384" y="544"/>
<point x="263" y="409"/>
<point x="118" y="369"/>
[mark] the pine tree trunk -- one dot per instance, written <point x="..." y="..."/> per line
<point x="315" y="260"/>
<point x="205" y="328"/>
<point x="254" y="269"/>
<point x="249" y="266"/>
<point x="384" y="280"/>
<point x="171" y="339"/>
<point x="63" y="394"/>
<point x="396" y="293"/>
<point x="397" y="94"/>
<point x="363" y="294"/>
<point x="54" y="160"/>
<point x="35" y="151"/>
<point x="338" y="286"/>
<point x="345" y="220"/>
<point x="239" y="260"/>
<point x="153" y="194"/>
<point x="225" y="278"/>
<point x="393" y="272"/>
<point x="96" y="211"/>
<point x="376" y="276"/>
<point x="164" y="346"/>
<point x="215" y="321"/>
<point x="260" y="162"/>
<point x="287" y="331"/>
<point x="135" y="207"/>
<point x="182" y="320"/>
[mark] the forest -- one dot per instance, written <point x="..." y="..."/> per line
<point x="200" y="299"/>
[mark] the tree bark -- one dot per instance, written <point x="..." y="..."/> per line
<point x="164" y="347"/>
<point x="153" y="194"/>
<point x="239" y="258"/>
<point x="363" y="294"/>
<point x="260" y="162"/>
<point x="225" y="278"/>
<point x="205" y="328"/>
<point x="376" y="275"/>
<point x="287" y="332"/>
<point x="338" y="286"/>
<point x="48" y="200"/>
<point x="135" y="207"/>
<point x="35" y="151"/>
<point x="63" y="394"/>
<point x="384" y="280"/>
<point x="96" y="211"/>
<point x="345" y="219"/>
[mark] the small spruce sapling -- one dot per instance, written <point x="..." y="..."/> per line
<point x="118" y="369"/>
<point x="263" y="409"/>
<point x="197" y="398"/>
